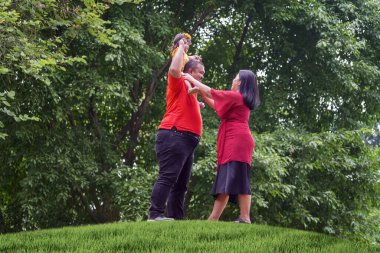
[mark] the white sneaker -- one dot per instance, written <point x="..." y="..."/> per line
<point x="161" y="218"/>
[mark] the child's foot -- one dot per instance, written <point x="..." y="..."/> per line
<point x="193" y="90"/>
<point x="201" y="105"/>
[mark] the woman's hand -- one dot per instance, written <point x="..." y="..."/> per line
<point x="202" y="87"/>
<point x="188" y="77"/>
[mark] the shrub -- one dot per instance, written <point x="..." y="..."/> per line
<point x="325" y="182"/>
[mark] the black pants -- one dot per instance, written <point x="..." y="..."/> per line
<point x="175" y="155"/>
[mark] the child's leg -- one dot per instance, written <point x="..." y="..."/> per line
<point x="219" y="205"/>
<point x="191" y="89"/>
<point x="245" y="206"/>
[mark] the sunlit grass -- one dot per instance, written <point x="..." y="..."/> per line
<point x="185" y="236"/>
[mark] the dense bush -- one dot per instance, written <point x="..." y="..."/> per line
<point x="326" y="182"/>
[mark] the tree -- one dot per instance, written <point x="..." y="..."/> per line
<point x="317" y="61"/>
<point x="36" y="51"/>
<point x="94" y="74"/>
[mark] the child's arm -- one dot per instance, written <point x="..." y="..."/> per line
<point x="202" y="87"/>
<point x="190" y="88"/>
<point x="188" y="84"/>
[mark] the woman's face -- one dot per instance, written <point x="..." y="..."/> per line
<point x="235" y="83"/>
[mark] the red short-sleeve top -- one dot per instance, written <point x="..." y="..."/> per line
<point x="235" y="141"/>
<point x="182" y="109"/>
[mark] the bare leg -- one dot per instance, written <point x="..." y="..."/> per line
<point x="245" y="206"/>
<point x="219" y="205"/>
<point x="191" y="89"/>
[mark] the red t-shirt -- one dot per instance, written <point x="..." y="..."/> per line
<point x="182" y="109"/>
<point x="235" y="142"/>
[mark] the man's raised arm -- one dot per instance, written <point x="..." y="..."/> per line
<point x="177" y="61"/>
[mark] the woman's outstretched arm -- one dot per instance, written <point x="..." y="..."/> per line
<point x="208" y="100"/>
<point x="202" y="87"/>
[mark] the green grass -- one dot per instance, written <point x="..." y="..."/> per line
<point x="176" y="236"/>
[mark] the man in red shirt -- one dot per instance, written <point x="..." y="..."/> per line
<point x="178" y="136"/>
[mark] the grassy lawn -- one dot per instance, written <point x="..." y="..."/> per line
<point x="184" y="236"/>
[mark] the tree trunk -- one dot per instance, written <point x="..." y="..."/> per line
<point x="138" y="116"/>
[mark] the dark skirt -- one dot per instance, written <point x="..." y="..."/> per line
<point x="232" y="178"/>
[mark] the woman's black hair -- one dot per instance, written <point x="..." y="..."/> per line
<point x="249" y="89"/>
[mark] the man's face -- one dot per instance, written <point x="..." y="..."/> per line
<point x="198" y="72"/>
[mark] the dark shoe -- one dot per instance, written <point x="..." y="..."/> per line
<point x="160" y="218"/>
<point x="240" y="220"/>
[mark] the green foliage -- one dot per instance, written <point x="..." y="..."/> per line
<point x="317" y="61"/>
<point x="4" y="103"/>
<point x="4" y="96"/>
<point x="83" y="71"/>
<point x="133" y="191"/>
<point x="36" y="42"/>
<point x="36" y="33"/>
<point x="179" y="236"/>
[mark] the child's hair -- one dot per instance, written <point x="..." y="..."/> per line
<point x="179" y="37"/>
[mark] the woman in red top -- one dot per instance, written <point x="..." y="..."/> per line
<point x="235" y="143"/>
